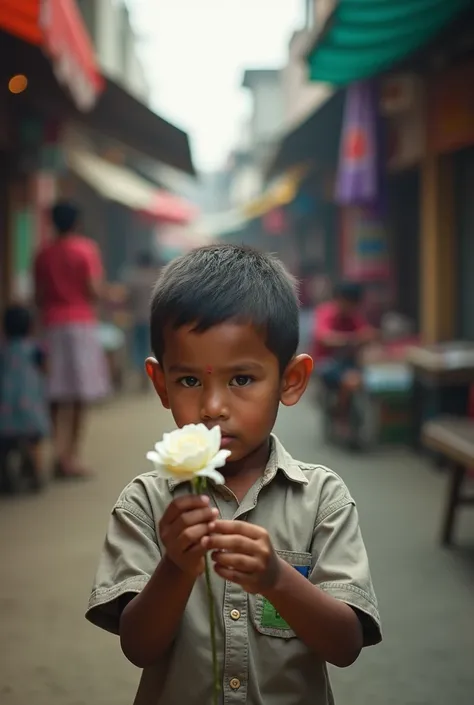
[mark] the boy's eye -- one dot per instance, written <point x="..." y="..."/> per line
<point x="241" y="381"/>
<point x="189" y="382"/>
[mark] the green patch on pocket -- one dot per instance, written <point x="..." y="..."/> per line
<point x="271" y="618"/>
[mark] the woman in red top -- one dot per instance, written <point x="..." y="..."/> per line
<point x="68" y="276"/>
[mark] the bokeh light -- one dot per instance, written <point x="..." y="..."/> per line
<point x="17" y="84"/>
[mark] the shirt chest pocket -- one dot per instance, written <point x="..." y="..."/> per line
<point x="264" y="616"/>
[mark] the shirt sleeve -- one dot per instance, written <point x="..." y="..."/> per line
<point x="93" y="261"/>
<point x="38" y="273"/>
<point x="323" y="319"/>
<point x="129" y="557"/>
<point x="341" y="566"/>
<point x="360" y="323"/>
<point x="38" y="356"/>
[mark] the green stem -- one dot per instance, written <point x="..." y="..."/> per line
<point x="199" y="485"/>
<point x="212" y="623"/>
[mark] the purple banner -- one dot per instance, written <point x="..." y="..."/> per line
<point x="358" y="181"/>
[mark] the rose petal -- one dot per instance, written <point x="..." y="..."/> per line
<point x="189" y="452"/>
<point x="193" y="460"/>
<point x="211" y="474"/>
<point x="154" y="457"/>
<point x="161" y="454"/>
<point x="220" y="459"/>
<point x="160" y="469"/>
<point x="214" y="440"/>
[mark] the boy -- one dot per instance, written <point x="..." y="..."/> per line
<point x="292" y="583"/>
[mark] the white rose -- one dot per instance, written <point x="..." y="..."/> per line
<point x="190" y="452"/>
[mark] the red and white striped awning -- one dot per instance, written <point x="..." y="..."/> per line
<point x="122" y="185"/>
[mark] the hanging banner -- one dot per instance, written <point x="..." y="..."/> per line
<point x="358" y="177"/>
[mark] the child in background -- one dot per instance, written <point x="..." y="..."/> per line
<point x="24" y="416"/>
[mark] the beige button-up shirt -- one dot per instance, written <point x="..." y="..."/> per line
<point x="313" y="523"/>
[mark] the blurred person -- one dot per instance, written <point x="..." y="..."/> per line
<point x="139" y="281"/>
<point x="24" y="412"/>
<point x="340" y="332"/>
<point x="68" y="279"/>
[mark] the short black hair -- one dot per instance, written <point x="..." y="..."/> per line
<point x="17" y="322"/>
<point x="349" y="291"/>
<point x="65" y="216"/>
<point x="218" y="283"/>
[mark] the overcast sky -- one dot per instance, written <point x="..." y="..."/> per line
<point x="195" y="52"/>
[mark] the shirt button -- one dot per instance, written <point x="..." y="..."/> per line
<point x="235" y="614"/>
<point x="235" y="683"/>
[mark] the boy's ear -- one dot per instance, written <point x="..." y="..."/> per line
<point x="295" y="379"/>
<point x="157" y="376"/>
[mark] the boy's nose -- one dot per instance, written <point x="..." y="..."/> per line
<point x="214" y="406"/>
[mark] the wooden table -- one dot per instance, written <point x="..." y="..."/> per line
<point x="453" y="438"/>
<point x="446" y="370"/>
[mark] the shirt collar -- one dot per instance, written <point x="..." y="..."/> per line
<point x="279" y="459"/>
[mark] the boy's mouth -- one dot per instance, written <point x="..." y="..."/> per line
<point x="226" y="440"/>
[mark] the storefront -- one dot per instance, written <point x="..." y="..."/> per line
<point x="47" y="71"/>
<point x="401" y="104"/>
<point x="464" y="200"/>
<point x="313" y="231"/>
<point x="4" y="168"/>
<point x="449" y="199"/>
<point x="357" y="44"/>
<point x="46" y="46"/>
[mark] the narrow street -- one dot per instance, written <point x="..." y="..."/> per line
<point x="49" y="547"/>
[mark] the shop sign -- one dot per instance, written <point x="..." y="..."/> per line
<point x="23" y="239"/>
<point x="401" y="103"/>
<point x="399" y="94"/>
<point x="406" y="140"/>
<point x="365" y="246"/>
<point x="451" y="109"/>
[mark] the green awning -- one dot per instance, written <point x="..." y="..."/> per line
<point x="365" y="37"/>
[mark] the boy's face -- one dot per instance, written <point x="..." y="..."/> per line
<point x="226" y="376"/>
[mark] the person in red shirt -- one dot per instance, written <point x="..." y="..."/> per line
<point x="68" y="276"/>
<point x="340" y="331"/>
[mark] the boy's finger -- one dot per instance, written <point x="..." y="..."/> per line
<point x="195" y="516"/>
<point x="233" y="544"/>
<point x="232" y="575"/>
<point x="191" y="537"/>
<point x="237" y="561"/>
<point x="242" y="528"/>
<point x="184" y="504"/>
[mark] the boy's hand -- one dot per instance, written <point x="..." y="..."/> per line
<point x="182" y="528"/>
<point x="243" y="554"/>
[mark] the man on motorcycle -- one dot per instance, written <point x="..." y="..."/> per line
<point x="340" y="332"/>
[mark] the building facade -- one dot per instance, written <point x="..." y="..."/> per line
<point x="116" y="43"/>
<point x="302" y="97"/>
